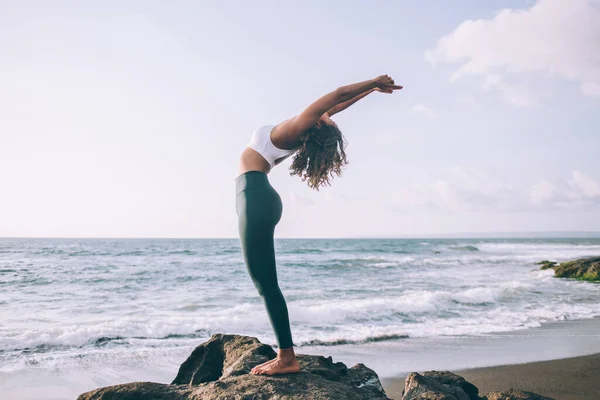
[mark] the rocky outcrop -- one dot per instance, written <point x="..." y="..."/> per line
<point x="220" y="369"/>
<point x="587" y="269"/>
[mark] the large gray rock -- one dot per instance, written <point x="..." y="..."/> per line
<point x="515" y="395"/>
<point x="219" y="369"/>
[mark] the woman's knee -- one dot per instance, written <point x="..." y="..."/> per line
<point x="269" y="290"/>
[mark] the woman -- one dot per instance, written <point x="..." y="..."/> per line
<point x="319" y="147"/>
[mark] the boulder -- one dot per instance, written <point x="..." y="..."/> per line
<point x="434" y="385"/>
<point x="220" y="369"/>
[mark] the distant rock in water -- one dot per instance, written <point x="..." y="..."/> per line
<point x="220" y="369"/>
<point x="545" y="264"/>
<point x="586" y="269"/>
<point x="465" y="248"/>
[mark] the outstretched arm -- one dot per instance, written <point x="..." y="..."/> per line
<point x="293" y="128"/>
<point x="342" y="106"/>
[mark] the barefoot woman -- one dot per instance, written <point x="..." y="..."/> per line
<point x="319" y="147"/>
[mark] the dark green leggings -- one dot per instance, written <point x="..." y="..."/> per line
<point x="259" y="209"/>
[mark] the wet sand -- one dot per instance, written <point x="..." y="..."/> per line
<point x="576" y="378"/>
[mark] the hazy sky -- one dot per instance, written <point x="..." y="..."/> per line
<point x="127" y="118"/>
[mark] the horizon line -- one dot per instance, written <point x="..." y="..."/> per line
<point x="458" y="235"/>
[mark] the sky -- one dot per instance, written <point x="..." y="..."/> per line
<point x="127" y="118"/>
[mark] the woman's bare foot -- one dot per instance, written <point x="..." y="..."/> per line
<point x="284" y="363"/>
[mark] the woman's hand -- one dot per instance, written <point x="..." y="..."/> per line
<point x="385" y="84"/>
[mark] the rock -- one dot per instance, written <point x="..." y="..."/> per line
<point x="140" y="391"/>
<point x="515" y="395"/>
<point x="219" y="369"/>
<point x="223" y="356"/>
<point x="547" y="264"/>
<point x="434" y="385"/>
<point x="449" y="378"/>
<point x="585" y="269"/>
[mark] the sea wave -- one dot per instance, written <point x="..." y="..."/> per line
<point x="342" y="342"/>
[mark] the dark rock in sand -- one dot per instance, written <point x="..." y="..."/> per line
<point x="434" y="385"/>
<point x="220" y="369"/>
<point x="448" y="378"/>
<point x="586" y="269"/>
<point x="515" y="395"/>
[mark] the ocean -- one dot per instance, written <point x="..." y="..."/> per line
<point x="80" y="313"/>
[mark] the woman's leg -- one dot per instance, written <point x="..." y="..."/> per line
<point x="259" y="254"/>
<point x="259" y="210"/>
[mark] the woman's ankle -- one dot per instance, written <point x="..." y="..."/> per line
<point x="286" y="354"/>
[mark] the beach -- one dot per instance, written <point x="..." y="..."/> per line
<point x="575" y="378"/>
<point x="569" y="370"/>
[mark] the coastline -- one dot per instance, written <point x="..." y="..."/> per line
<point x="574" y="378"/>
<point x="499" y="361"/>
<point x="391" y="359"/>
<point x="559" y="360"/>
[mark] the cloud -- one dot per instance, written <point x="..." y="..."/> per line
<point x="553" y="38"/>
<point x="580" y="190"/>
<point x="584" y="186"/>
<point x="422" y="110"/>
<point x="458" y="190"/>
<point x="471" y="190"/>
<point x="517" y="95"/>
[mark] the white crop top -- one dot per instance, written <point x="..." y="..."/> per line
<point x="261" y="142"/>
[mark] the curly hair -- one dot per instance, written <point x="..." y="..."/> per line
<point x="321" y="154"/>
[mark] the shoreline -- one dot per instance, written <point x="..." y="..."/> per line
<point x="392" y="359"/>
<point x="560" y="360"/>
<point x="574" y="378"/>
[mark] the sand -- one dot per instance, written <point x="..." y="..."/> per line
<point x="576" y="378"/>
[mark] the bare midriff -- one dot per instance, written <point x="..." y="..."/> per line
<point x="251" y="160"/>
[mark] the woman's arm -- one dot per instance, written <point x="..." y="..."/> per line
<point x="293" y="128"/>
<point x="342" y="106"/>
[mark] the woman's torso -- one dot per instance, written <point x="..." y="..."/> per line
<point x="266" y="149"/>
